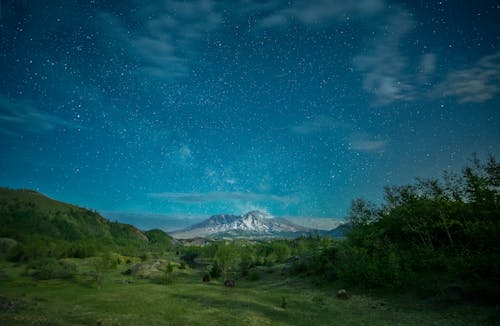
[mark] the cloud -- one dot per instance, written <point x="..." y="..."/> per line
<point x="357" y="139"/>
<point x="315" y="125"/>
<point x="426" y="68"/>
<point x="384" y="67"/>
<point x="217" y="196"/>
<point x="362" y="142"/>
<point x="320" y="11"/>
<point x="21" y="115"/>
<point x="185" y="153"/>
<point x="476" y="84"/>
<point x="167" y="43"/>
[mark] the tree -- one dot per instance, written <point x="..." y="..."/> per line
<point x="227" y="258"/>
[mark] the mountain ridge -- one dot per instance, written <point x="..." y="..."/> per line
<point x="253" y="224"/>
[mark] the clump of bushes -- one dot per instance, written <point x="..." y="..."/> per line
<point x="215" y="271"/>
<point x="166" y="277"/>
<point x="50" y="268"/>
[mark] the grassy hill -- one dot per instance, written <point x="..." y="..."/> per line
<point x="36" y="220"/>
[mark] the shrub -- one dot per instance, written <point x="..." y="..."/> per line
<point x="254" y="275"/>
<point x="50" y="268"/>
<point x="146" y="256"/>
<point x="215" y="271"/>
<point x="207" y="277"/>
<point x="283" y="303"/>
<point x="167" y="276"/>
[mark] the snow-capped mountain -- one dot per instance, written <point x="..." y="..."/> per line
<point x="251" y="224"/>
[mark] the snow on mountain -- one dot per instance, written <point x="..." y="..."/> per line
<point x="253" y="223"/>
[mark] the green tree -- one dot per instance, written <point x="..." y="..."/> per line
<point x="227" y="258"/>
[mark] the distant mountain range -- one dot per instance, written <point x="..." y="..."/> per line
<point x="254" y="224"/>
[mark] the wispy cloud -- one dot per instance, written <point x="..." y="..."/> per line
<point x="168" y="41"/>
<point x="315" y="125"/>
<point x="363" y="142"/>
<point x="475" y="84"/>
<point x="426" y="68"/>
<point x="21" y="115"/>
<point x="320" y="11"/>
<point x="217" y="196"/>
<point x="357" y="139"/>
<point x="185" y="153"/>
<point x="388" y="73"/>
<point x="384" y="67"/>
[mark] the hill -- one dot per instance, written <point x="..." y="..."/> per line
<point x="31" y="217"/>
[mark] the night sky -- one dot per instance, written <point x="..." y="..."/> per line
<point x="203" y="107"/>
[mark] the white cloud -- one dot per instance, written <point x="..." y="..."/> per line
<point x="315" y="125"/>
<point x="475" y="84"/>
<point x="427" y="67"/>
<point x="217" y="196"/>
<point x="362" y="142"/>
<point x="184" y="157"/>
<point x="384" y="67"/>
<point x="16" y="114"/>
<point x="185" y="152"/>
<point x="320" y="11"/>
<point x="357" y="139"/>
<point x="167" y="42"/>
<point x="231" y="181"/>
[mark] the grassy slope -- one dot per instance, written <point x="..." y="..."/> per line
<point x="188" y="301"/>
<point x="42" y="203"/>
<point x="26" y="212"/>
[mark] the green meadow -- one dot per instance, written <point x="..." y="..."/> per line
<point x="274" y="299"/>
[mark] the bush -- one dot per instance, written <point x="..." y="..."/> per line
<point x="283" y="303"/>
<point x="7" y="245"/>
<point x="215" y="271"/>
<point x="50" y="268"/>
<point x="207" y="277"/>
<point x="146" y="256"/>
<point x="167" y="276"/>
<point x="254" y="275"/>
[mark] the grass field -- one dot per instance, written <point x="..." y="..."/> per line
<point x="273" y="300"/>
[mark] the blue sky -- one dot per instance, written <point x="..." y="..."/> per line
<point x="203" y="107"/>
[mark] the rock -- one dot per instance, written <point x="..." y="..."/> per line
<point x="230" y="283"/>
<point x="342" y="294"/>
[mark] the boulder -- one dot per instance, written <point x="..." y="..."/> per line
<point x="342" y="294"/>
<point x="230" y="283"/>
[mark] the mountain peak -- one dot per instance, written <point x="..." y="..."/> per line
<point x="258" y="214"/>
<point x="253" y="223"/>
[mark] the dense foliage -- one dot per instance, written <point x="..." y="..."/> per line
<point x="448" y="228"/>
<point x="42" y="227"/>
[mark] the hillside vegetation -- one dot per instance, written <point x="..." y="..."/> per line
<point x="46" y="227"/>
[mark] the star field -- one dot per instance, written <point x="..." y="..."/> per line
<point x="206" y="107"/>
